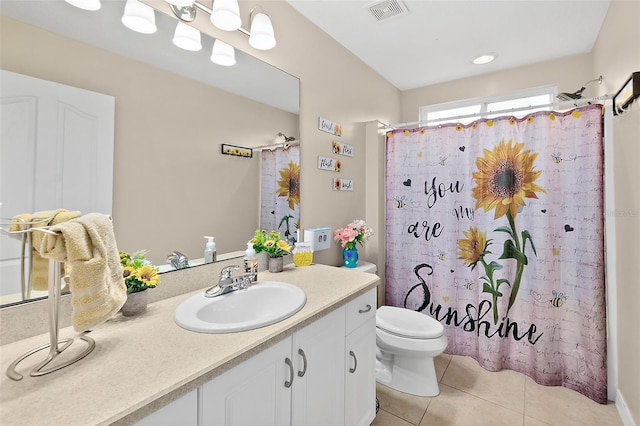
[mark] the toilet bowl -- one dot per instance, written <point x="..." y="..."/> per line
<point x="407" y="342"/>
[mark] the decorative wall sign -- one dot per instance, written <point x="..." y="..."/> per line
<point x="342" y="184"/>
<point x="237" y="151"/>
<point x="331" y="164"/>
<point x="329" y="126"/>
<point x="342" y="149"/>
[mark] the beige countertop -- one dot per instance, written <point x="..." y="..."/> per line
<point x="142" y="363"/>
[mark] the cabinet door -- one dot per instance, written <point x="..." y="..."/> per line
<point x="318" y="388"/>
<point x="252" y="393"/>
<point x="360" y="375"/>
<point x="183" y="411"/>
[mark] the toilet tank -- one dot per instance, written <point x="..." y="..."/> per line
<point x="367" y="267"/>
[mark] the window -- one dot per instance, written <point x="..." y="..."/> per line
<point x="517" y="104"/>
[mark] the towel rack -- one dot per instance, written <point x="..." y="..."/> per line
<point x="56" y="346"/>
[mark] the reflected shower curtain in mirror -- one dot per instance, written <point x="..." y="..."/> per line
<point x="496" y="230"/>
<point x="280" y="195"/>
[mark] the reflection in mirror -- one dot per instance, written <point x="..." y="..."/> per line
<point x="171" y="183"/>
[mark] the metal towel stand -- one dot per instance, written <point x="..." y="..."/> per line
<point x="56" y="347"/>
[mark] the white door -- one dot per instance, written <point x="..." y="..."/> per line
<point x="56" y="151"/>
<point x="318" y="388"/>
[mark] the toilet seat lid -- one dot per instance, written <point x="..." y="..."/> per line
<point x="408" y="323"/>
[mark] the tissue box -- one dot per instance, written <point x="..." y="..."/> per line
<point x="319" y="238"/>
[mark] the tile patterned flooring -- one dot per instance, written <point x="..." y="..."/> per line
<point x="471" y="395"/>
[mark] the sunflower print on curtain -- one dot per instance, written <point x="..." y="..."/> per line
<point x="280" y="192"/>
<point x="496" y="230"/>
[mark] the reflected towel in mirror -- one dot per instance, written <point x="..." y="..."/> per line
<point x="40" y="269"/>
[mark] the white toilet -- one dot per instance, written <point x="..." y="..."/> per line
<point x="407" y="342"/>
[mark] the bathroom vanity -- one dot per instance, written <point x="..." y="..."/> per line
<point x="316" y="366"/>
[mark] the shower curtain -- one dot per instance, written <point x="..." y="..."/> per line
<point x="280" y="195"/>
<point x="496" y="230"/>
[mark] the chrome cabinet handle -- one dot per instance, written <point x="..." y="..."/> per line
<point x="304" y="363"/>
<point x="365" y="310"/>
<point x="355" y="362"/>
<point x="287" y="383"/>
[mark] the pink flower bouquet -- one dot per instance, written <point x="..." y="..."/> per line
<point x="355" y="232"/>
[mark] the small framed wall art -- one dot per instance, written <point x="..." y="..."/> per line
<point x="237" y="151"/>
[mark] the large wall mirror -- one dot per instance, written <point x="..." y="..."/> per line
<point x="173" y="110"/>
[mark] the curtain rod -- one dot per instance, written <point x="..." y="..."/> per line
<point x="572" y="103"/>
<point x="288" y="145"/>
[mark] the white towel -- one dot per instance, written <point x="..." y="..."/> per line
<point x="88" y="245"/>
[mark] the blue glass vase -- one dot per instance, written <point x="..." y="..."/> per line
<point x="350" y="257"/>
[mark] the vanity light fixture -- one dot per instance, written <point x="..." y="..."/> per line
<point x="181" y="3"/>
<point x="485" y="59"/>
<point x="85" y="4"/>
<point x="139" y="17"/>
<point x="223" y="54"/>
<point x="186" y="37"/>
<point x="225" y="15"/>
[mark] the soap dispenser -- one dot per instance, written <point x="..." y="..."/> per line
<point x="210" y="250"/>
<point x="251" y="261"/>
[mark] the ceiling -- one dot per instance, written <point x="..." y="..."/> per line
<point x="435" y="41"/>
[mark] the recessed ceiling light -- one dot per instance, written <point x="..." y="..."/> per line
<point x="484" y="59"/>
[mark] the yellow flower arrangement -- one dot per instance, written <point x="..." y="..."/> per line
<point x="139" y="274"/>
<point x="270" y="243"/>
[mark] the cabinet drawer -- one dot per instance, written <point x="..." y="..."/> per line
<point x="361" y="309"/>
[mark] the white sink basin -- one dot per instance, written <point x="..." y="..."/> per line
<point x="262" y="304"/>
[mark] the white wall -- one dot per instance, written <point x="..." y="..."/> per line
<point x="616" y="55"/>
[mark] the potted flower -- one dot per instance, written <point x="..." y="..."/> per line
<point x="273" y="245"/>
<point x="355" y="232"/>
<point x="139" y="275"/>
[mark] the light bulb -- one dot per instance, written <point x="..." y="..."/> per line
<point x="225" y="15"/>
<point x="186" y="37"/>
<point x="223" y="54"/>
<point x="139" y="17"/>
<point x="262" y="37"/>
<point x="85" y="4"/>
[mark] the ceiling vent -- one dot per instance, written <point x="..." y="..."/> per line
<point x="387" y="9"/>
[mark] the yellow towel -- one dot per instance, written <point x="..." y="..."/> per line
<point x="88" y="244"/>
<point x="40" y="269"/>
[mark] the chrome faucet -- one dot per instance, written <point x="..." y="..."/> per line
<point x="178" y="260"/>
<point x="228" y="282"/>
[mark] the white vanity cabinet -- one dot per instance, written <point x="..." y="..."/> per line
<point x="323" y="374"/>
<point x="360" y="350"/>
<point x="255" y="392"/>
<point x="299" y="381"/>
<point x="318" y="387"/>
<point x="183" y="411"/>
